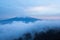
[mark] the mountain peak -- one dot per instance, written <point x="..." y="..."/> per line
<point x="23" y="19"/>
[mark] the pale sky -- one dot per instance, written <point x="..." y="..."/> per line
<point x="18" y="8"/>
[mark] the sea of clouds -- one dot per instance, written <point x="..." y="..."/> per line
<point x="17" y="29"/>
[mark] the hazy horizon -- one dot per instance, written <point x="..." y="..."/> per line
<point x="35" y="8"/>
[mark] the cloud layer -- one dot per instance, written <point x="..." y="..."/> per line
<point x="44" y="10"/>
<point x="17" y="29"/>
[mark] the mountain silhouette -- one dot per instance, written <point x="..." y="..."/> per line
<point x="23" y="19"/>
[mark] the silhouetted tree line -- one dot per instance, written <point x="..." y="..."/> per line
<point x="51" y="34"/>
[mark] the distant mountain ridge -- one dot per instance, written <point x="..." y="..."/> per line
<point x="23" y="19"/>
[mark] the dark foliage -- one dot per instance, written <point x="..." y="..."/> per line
<point x="48" y="35"/>
<point x="27" y="36"/>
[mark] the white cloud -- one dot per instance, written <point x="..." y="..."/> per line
<point x="38" y="8"/>
<point x="48" y="10"/>
<point x="42" y="8"/>
<point x="17" y="29"/>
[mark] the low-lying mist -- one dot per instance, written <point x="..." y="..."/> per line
<point x="17" y="29"/>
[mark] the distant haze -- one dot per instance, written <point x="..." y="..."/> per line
<point x="22" y="8"/>
<point x="48" y="17"/>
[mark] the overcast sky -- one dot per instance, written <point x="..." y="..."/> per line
<point x="18" y="8"/>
